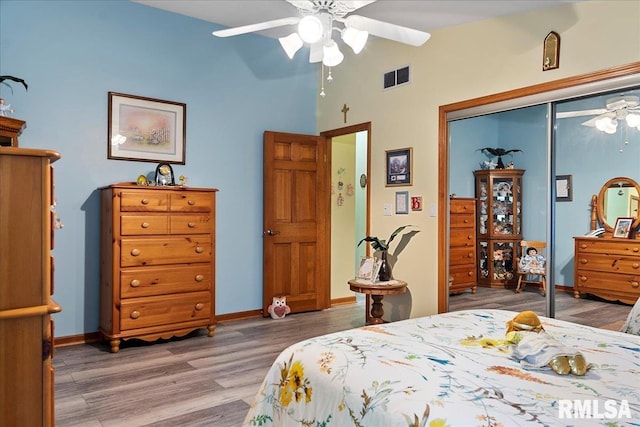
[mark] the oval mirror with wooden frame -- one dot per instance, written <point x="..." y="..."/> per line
<point x="618" y="198"/>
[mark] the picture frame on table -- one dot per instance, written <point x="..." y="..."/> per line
<point x="366" y="268"/>
<point x="399" y="167"/>
<point x="622" y="230"/>
<point x="564" y="188"/>
<point x="146" y="129"/>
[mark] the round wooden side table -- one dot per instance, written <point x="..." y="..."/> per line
<point x="377" y="290"/>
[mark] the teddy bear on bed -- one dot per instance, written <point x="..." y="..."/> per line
<point x="536" y="349"/>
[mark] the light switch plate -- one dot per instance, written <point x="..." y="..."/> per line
<point x="432" y="209"/>
<point x="388" y="209"/>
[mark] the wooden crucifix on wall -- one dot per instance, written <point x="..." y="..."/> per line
<point x="344" y="110"/>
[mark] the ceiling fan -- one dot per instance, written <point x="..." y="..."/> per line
<point x="618" y="108"/>
<point x="315" y="25"/>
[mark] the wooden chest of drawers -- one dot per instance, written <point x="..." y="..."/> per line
<point x="608" y="268"/>
<point x="462" y="245"/>
<point x="158" y="262"/>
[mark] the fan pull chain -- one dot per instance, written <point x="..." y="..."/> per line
<point x="322" y="94"/>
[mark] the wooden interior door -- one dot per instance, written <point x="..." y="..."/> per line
<point x="296" y="221"/>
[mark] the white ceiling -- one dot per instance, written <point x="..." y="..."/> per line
<point x="417" y="14"/>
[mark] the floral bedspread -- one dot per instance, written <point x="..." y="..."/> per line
<point x="451" y="369"/>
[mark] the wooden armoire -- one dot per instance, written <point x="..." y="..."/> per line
<point x="26" y="287"/>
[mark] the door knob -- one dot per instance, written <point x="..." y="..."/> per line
<point x="271" y="232"/>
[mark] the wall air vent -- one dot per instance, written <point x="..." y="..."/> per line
<point x="397" y="77"/>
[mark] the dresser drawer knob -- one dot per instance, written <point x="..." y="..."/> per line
<point x="635" y="284"/>
<point x="191" y="225"/>
<point x="135" y="252"/>
<point x="466" y="221"/>
<point x="144" y="201"/>
<point x="199" y="277"/>
<point x="191" y="202"/>
<point x="583" y="246"/>
<point x="135" y="283"/>
<point x="635" y="265"/>
<point x="134" y="314"/>
<point x="199" y="249"/>
<point x="470" y="237"/>
<point x="583" y="261"/>
<point x="635" y="249"/>
<point x="145" y="225"/>
<point x="470" y="255"/>
<point x="583" y="278"/>
<point x="199" y="306"/>
<point x="470" y="273"/>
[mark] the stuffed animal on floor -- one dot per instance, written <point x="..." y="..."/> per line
<point x="536" y="349"/>
<point x="278" y="308"/>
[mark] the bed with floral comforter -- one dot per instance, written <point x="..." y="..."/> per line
<point x="451" y="369"/>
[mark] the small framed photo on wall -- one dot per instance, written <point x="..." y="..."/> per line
<point x="564" y="188"/>
<point x="402" y="202"/>
<point x="399" y="167"/>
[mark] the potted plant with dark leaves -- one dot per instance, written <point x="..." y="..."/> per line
<point x="382" y="246"/>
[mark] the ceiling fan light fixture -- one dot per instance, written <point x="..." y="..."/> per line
<point x="291" y="44"/>
<point x="633" y="120"/>
<point x="332" y="55"/>
<point x="607" y="124"/>
<point x="356" y="39"/>
<point x="310" y="29"/>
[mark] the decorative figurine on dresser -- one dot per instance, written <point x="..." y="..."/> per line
<point x="499" y="225"/>
<point x="462" y="245"/>
<point x="158" y="262"/>
<point x="605" y="265"/>
<point x="27" y="220"/>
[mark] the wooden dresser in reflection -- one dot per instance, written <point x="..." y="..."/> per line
<point x="608" y="268"/>
<point x="158" y="262"/>
<point x="462" y="245"/>
<point x="26" y="287"/>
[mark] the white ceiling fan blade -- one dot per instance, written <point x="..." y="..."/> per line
<point x="256" y="27"/>
<point x="316" y="53"/>
<point x="388" y="31"/>
<point x="302" y="4"/>
<point x="581" y="113"/>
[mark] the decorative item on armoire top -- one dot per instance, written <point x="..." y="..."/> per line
<point x="14" y="79"/>
<point x="142" y="180"/>
<point x="164" y="174"/>
<point x="183" y="180"/>
<point x="499" y="152"/>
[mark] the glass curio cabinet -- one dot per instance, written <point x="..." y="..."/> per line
<point x="499" y="225"/>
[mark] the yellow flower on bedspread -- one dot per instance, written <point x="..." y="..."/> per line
<point x="293" y="384"/>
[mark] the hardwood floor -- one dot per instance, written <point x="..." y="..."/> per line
<point x="203" y="381"/>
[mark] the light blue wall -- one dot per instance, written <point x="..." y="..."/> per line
<point x="591" y="157"/>
<point x="72" y="53"/>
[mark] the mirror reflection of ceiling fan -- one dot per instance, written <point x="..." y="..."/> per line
<point x="316" y="22"/>
<point x="618" y="108"/>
